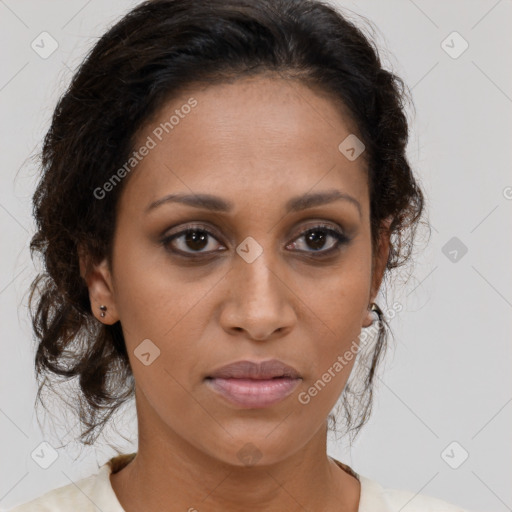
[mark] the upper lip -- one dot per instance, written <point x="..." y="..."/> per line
<point x="253" y="370"/>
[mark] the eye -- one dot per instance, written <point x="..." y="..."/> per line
<point x="191" y="240"/>
<point x="317" y="238"/>
<point x="197" y="240"/>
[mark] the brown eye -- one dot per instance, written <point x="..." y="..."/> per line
<point x="317" y="238"/>
<point x="192" y="240"/>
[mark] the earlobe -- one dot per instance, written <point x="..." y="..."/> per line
<point x="98" y="279"/>
<point x="369" y="318"/>
<point x="372" y="315"/>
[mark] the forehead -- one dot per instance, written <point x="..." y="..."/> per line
<point x="257" y="136"/>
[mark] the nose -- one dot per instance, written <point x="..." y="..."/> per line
<point x="260" y="302"/>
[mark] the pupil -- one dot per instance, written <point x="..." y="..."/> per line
<point x="317" y="241"/>
<point x="195" y="241"/>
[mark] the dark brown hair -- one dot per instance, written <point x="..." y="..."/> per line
<point x="140" y="63"/>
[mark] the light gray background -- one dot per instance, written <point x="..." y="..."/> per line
<point x="448" y="378"/>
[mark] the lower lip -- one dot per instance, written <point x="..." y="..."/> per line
<point x="253" y="393"/>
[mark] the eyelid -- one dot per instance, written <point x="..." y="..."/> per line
<point x="318" y="224"/>
<point x="334" y="231"/>
<point x="191" y="256"/>
<point x="300" y="230"/>
<point x="342" y="238"/>
<point x="190" y="226"/>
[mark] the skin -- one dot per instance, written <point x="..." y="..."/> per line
<point x="256" y="142"/>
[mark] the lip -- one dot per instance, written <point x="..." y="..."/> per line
<point x="246" y="369"/>
<point x="253" y="385"/>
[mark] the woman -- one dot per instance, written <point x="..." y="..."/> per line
<point x="224" y="188"/>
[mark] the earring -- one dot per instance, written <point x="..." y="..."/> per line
<point x="375" y="307"/>
<point x="376" y="312"/>
<point x="103" y="309"/>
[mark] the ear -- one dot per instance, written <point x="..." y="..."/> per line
<point x="98" y="278"/>
<point x="379" y="263"/>
<point x="380" y="259"/>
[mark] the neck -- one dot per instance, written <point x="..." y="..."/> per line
<point x="168" y="471"/>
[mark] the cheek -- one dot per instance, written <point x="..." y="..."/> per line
<point x="153" y="296"/>
<point x="157" y="303"/>
<point x="334" y="325"/>
<point x="339" y="298"/>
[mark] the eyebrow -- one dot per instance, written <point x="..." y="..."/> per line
<point x="218" y="204"/>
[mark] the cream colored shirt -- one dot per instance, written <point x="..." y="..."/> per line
<point x="95" y="493"/>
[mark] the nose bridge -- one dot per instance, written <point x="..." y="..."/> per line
<point x="254" y="268"/>
<point x="260" y="302"/>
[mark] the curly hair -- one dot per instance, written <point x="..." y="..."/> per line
<point x="147" y="57"/>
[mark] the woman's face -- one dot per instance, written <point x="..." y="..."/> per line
<point x="263" y="276"/>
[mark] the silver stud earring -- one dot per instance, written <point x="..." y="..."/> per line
<point x="103" y="309"/>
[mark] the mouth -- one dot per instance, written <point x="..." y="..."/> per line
<point x="251" y="385"/>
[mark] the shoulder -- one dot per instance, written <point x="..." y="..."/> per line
<point x="68" y="497"/>
<point x="398" y="499"/>
<point x="374" y="497"/>
<point x="86" y="495"/>
<point x="394" y="500"/>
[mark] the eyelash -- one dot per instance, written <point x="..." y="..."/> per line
<point x="340" y="238"/>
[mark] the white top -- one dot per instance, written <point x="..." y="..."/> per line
<point x="95" y="493"/>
